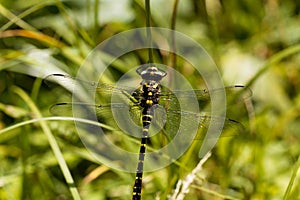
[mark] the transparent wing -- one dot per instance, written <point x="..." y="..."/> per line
<point x="201" y="94"/>
<point x="66" y="108"/>
<point x="177" y="99"/>
<point x="168" y="114"/>
<point x="229" y="127"/>
<point x="71" y="83"/>
<point x="167" y="121"/>
<point x="204" y="94"/>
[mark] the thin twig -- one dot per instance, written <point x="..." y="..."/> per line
<point x="183" y="186"/>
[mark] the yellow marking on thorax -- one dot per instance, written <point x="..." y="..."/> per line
<point x="149" y="102"/>
<point x="155" y="85"/>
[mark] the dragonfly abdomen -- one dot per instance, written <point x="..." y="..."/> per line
<point x="148" y="96"/>
<point x="146" y="120"/>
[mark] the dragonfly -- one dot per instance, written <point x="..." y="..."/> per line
<point x="149" y="105"/>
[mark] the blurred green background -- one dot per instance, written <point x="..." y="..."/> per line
<point x="254" y="43"/>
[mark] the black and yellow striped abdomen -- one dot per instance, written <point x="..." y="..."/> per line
<point x="148" y="97"/>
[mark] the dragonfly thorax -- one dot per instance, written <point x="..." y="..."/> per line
<point x="149" y="93"/>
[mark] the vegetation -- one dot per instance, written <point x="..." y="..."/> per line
<point x="254" y="43"/>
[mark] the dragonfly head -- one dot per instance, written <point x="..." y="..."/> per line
<point x="151" y="72"/>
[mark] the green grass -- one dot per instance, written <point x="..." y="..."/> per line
<point x="255" y="44"/>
